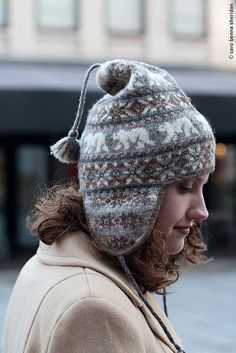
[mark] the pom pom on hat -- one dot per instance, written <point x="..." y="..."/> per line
<point x="113" y="76"/>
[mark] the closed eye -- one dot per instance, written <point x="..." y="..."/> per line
<point x="185" y="189"/>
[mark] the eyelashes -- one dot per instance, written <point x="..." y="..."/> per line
<point x="185" y="189"/>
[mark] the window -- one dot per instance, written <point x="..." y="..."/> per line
<point x="31" y="170"/>
<point x="3" y="13"/>
<point x="188" y="17"/>
<point x="3" y="240"/>
<point x="125" y="16"/>
<point x="56" y="14"/>
<point x="221" y="223"/>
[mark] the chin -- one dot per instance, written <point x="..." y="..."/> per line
<point x="176" y="248"/>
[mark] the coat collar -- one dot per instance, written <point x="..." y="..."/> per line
<point x="76" y="249"/>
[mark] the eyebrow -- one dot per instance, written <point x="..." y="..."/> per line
<point x="199" y="179"/>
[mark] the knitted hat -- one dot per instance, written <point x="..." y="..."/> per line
<point x="141" y="136"/>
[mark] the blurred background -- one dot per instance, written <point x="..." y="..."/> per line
<point x="46" y="47"/>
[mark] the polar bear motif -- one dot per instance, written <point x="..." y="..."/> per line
<point x="172" y="130"/>
<point x="157" y="79"/>
<point x="203" y="121"/>
<point x="146" y="78"/>
<point x="95" y="142"/>
<point x="137" y="137"/>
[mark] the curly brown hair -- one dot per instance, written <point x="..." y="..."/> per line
<point x="59" y="210"/>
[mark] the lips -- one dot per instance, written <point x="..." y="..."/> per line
<point x="183" y="230"/>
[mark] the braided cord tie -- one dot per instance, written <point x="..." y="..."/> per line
<point x="67" y="149"/>
<point x="132" y="280"/>
<point x="80" y="109"/>
<point x="164" y="302"/>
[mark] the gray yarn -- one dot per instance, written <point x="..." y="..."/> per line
<point x="67" y="149"/>
<point x="80" y="109"/>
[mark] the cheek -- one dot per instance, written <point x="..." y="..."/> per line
<point x="167" y="214"/>
<point x="173" y="208"/>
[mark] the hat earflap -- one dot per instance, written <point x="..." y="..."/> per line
<point x="67" y="149"/>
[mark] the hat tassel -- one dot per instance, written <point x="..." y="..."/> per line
<point x="67" y="149"/>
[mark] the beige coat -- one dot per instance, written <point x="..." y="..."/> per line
<point x="68" y="300"/>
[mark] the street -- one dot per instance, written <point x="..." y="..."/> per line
<point x="201" y="306"/>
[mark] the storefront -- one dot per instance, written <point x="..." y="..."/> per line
<point x="35" y="115"/>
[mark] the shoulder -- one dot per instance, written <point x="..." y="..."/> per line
<point x="85" y="309"/>
<point x="84" y="284"/>
<point x="54" y="288"/>
<point x="95" y="324"/>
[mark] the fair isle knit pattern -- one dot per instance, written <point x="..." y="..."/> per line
<point x="141" y="136"/>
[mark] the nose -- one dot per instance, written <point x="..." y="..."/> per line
<point x="198" y="210"/>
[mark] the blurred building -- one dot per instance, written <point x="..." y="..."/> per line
<point x="172" y="32"/>
<point x="45" y="48"/>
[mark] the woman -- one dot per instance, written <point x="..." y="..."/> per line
<point x="108" y="244"/>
